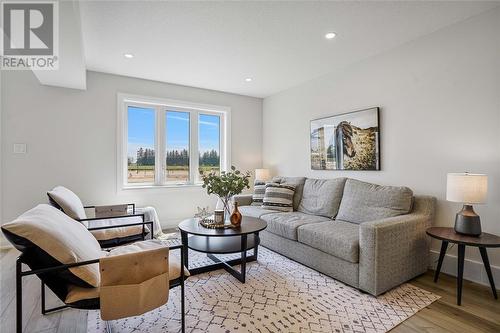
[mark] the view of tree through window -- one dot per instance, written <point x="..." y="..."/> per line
<point x="177" y="145"/>
<point x="140" y="145"/>
<point x="209" y="143"/>
<point x="170" y="145"/>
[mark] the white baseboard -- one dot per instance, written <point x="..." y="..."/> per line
<point x="473" y="270"/>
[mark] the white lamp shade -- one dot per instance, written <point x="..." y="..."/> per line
<point x="262" y="174"/>
<point x="467" y="188"/>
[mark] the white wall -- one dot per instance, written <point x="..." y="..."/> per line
<point x="440" y="112"/>
<point x="71" y="138"/>
<point x="1" y="153"/>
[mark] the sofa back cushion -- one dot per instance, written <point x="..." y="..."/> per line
<point x="279" y="197"/>
<point x="363" y="202"/>
<point x="322" y="196"/>
<point x="47" y="232"/>
<point x="298" y="183"/>
<point x="68" y="201"/>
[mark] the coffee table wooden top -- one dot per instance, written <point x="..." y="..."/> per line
<point x="449" y="235"/>
<point x="249" y="225"/>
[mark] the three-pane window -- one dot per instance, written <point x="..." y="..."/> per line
<point x="167" y="145"/>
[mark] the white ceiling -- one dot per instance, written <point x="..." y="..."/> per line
<point x="279" y="44"/>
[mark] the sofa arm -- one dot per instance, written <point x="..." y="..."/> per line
<point x="392" y="251"/>
<point x="243" y="199"/>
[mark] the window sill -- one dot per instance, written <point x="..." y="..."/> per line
<point x="166" y="186"/>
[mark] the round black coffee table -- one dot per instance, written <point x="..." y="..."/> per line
<point x="222" y="241"/>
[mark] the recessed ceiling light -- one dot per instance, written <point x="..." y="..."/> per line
<point x="128" y="55"/>
<point x="248" y="79"/>
<point x="330" y="35"/>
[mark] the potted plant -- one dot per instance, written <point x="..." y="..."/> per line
<point x="226" y="185"/>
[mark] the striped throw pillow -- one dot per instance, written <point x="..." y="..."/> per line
<point x="259" y="189"/>
<point x="279" y="197"/>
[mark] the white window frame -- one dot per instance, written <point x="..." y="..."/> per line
<point x="161" y="106"/>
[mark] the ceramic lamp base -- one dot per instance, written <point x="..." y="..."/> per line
<point x="467" y="222"/>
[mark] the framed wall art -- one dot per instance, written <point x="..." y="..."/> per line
<point x="349" y="141"/>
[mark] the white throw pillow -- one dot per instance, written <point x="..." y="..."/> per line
<point x="68" y="201"/>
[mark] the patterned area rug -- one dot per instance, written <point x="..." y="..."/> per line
<point x="279" y="295"/>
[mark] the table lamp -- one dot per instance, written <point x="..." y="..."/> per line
<point x="467" y="188"/>
<point x="262" y="174"/>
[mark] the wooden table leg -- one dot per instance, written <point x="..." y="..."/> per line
<point x="486" y="263"/>
<point x="442" y="253"/>
<point x="460" y="275"/>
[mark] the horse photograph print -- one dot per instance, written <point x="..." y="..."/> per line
<point x="347" y="141"/>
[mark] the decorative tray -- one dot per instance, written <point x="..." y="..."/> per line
<point x="210" y="224"/>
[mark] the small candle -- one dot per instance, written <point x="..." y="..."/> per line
<point x="219" y="216"/>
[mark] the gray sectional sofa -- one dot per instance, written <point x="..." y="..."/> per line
<point x="369" y="236"/>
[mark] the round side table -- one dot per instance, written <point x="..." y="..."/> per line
<point x="448" y="235"/>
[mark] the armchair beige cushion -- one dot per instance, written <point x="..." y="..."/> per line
<point x="134" y="280"/>
<point x="68" y="201"/>
<point x="61" y="238"/>
<point x="76" y="293"/>
<point x="113" y="233"/>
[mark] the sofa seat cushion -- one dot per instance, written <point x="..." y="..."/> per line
<point x="254" y="211"/>
<point x="322" y="196"/>
<point x="363" y="202"/>
<point x="338" y="238"/>
<point x="286" y="224"/>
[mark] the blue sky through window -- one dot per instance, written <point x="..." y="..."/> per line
<point x="177" y="130"/>
<point x="209" y="132"/>
<point x="141" y="130"/>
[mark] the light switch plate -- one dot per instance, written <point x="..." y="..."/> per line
<point x="19" y="148"/>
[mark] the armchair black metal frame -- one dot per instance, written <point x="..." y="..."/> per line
<point x="39" y="272"/>
<point x="106" y="244"/>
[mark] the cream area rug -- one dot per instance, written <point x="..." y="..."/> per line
<point x="279" y="295"/>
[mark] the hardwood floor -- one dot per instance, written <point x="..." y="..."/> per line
<point x="479" y="312"/>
